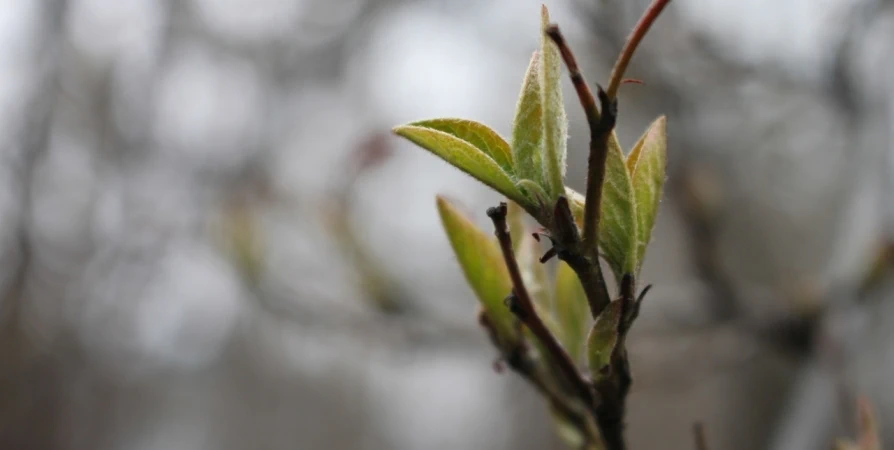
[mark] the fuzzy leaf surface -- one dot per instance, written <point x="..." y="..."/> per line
<point x="555" y="122"/>
<point x="647" y="164"/>
<point x="478" y="134"/>
<point x="464" y="156"/>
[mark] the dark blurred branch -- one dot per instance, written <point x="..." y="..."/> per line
<point x="698" y="432"/>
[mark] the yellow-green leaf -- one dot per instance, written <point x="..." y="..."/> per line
<point x="463" y="156"/>
<point x="617" y="215"/>
<point x="479" y="135"/>
<point x="648" y="163"/>
<point x="527" y="129"/>
<point x="555" y="124"/>
<point x="482" y="263"/>
<point x="572" y="310"/>
<point x="603" y="338"/>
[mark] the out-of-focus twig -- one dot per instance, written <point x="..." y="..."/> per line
<point x="698" y="432"/>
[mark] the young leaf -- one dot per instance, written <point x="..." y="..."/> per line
<point x="555" y="124"/>
<point x="572" y="311"/>
<point x="603" y="338"/>
<point x="479" y="135"/>
<point x="527" y="130"/>
<point x="482" y="263"/>
<point x="463" y="156"/>
<point x="647" y="163"/>
<point x="617" y="215"/>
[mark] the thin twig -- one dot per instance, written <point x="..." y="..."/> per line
<point x="587" y="269"/>
<point x="601" y="126"/>
<point x="639" y="32"/>
<point x="524" y="308"/>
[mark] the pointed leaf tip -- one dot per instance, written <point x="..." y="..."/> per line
<point x="555" y="122"/>
<point x="462" y="155"/>
<point x="478" y="134"/>
<point x="527" y="128"/>
<point x="482" y="263"/>
<point x="647" y="164"/>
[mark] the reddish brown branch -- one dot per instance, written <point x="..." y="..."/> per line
<point x="639" y="32"/>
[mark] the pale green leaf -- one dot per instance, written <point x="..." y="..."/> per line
<point x="482" y="263"/>
<point x="479" y="135"/>
<point x="463" y="156"/>
<point x="555" y="124"/>
<point x="617" y="215"/>
<point x="647" y="164"/>
<point x="572" y="310"/>
<point x="603" y="338"/>
<point x="527" y="129"/>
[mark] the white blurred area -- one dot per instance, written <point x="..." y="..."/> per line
<point x="174" y="274"/>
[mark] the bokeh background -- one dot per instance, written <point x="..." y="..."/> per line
<point x="209" y="240"/>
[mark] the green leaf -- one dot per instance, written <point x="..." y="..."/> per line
<point x="617" y="215"/>
<point x="603" y="338"/>
<point x="572" y="310"/>
<point x="555" y="124"/>
<point x="482" y="263"/>
<point x="527" y="129"/>
<point x="463" y="156"/>
<point x="648" y="164"/>
<point x="479" y="135"/>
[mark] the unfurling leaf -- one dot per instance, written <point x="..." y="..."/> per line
<point x="527" y="130"/>
<point x="482" y="263"/>
<point x="479" y="135"/>
<point x="464" y="156"/>
<point x="572" y="311"/>
<point x="555" y="124"/>
<point x="603" y="338"/>
<point x="647" y="164"/>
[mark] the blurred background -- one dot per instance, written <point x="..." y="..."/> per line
<point x="210" y="240"/>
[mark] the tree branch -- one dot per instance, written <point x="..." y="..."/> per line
<point x="601" y="126"/>
<point x="639" y="32"/>
<point x="523" y="307"/>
